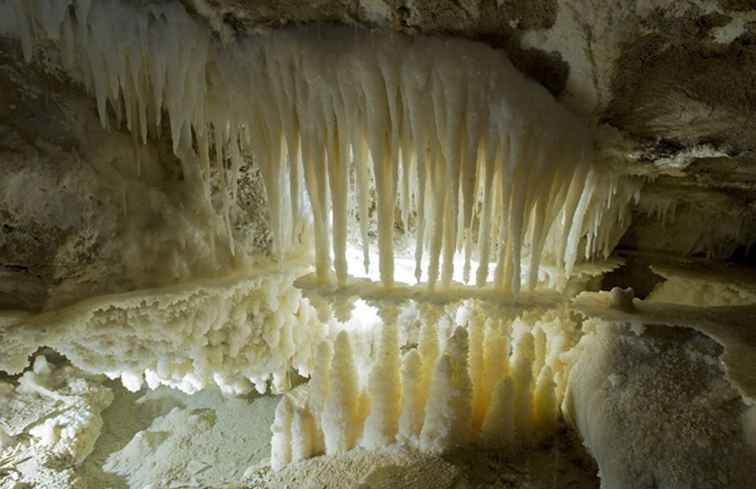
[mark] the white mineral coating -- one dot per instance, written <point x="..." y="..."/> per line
<point x="57" y="409"/>
<point x="624" y="383"/>
<point x="622" y="299"/>
<point x="233" y="332"/>
<point x="704" y="285"/>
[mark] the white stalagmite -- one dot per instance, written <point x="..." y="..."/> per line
<point x="281" y="443"/>
<point x="434" y="410"/>
<point x="498" y="430"/>
<point x="476" y="326"/>
<point x="384" y="387"/>
<point x="438" y="434"/>
<point x="495" y="360"/>
<point x="447" y="125"/>
<point x="339" y="419"/>
<point x="318" y="392"/>
<point x="458" y="349"/>
<point x="545" y="409"/>
<point x="320" y="379"/>
<point x="522" y="375"/>
<point x="428" y="348"/>
<point x="302" y="435"/>
<point x="539" y="350"/>
<point x="413" y="402"/>
<point x="447" y="421"/>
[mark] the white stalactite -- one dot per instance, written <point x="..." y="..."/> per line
<point x="441" y="124"/>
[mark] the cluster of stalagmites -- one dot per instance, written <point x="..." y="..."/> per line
<point x="492" y="383"/>
<point x="457" y="145"/>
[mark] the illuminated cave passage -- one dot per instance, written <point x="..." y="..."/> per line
<point x="416" y="246"/>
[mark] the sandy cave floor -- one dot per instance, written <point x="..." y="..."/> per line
<point x="167" y="439"/>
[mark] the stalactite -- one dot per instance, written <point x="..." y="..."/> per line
<point x="439" y="123"/>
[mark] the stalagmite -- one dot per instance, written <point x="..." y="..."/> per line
<point x="495" y="360"/>
<point x="523" y="399"/>
<point x="384" y="388"/>
<point x="318" y="393"/>
<point x="281" y="443"/>
<point x="453" y="385"/>
<point x="438" y="434"/>
<point x="413" y="402"/>
<point x="539" y="350"/>
<point x="498" y="430"/>
<point x="302" y="435"/>
<point x="545" y="403"/>
<point x="340" y="410"/>
<point x="459" y="347"/>
<point x="475" y="394"/>
<point x="477" y="371"/>
<point x="428" y="348"/>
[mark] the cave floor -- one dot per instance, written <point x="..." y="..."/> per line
<point x="167" y="439"/>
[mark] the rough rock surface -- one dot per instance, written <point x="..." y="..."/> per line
<point x="655" y="410"/>
<point x="81" y="212"/>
